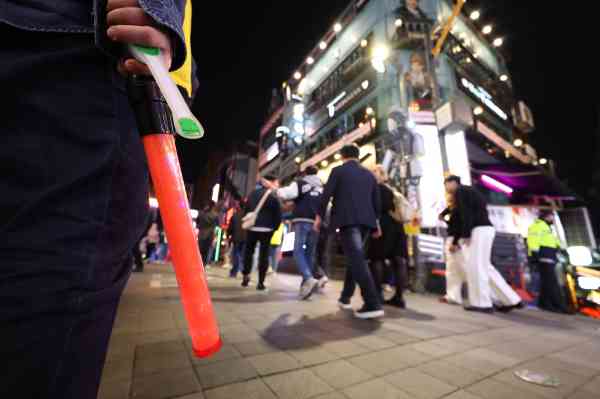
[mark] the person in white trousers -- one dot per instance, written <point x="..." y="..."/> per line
<point x="455" y="273"/>
<point x="477" y="238"/>
<point x="455" y="258"/>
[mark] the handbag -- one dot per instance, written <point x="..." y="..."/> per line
<point x="249" y="220"/>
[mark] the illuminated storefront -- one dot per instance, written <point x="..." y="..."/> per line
<point x="373" y="80"/>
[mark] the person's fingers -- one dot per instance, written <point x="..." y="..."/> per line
<point x="129" y="16"/>
<point x="114" y="4"/>
<point x="133" y="67"/>
<point x="141" y="35"/>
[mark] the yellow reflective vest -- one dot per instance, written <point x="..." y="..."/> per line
<point x="541" y="235"/>
<point x="183" y="75"/>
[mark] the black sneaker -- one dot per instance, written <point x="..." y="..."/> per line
<point x="245" y="281"/>
<point x="369" y="312"/>
<point x="344" y="304"/>
<point x="397" y="302"/>
<point x="261" y="287"/>
<point x="509" y="308"/>
<point x="480" y="310"/>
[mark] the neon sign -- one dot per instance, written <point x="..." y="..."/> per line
<point x="485" y="97"/>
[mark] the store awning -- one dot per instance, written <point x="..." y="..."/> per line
<point x="527" y="181"/>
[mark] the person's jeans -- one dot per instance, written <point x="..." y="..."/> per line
<point x="74" y="203"/>
<point x="237" y="258"/>
<point x="357" y="270"/>
<point x="305" y="245"/>
<point x="264" y="240"/>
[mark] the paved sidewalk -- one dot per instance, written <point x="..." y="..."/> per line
<point x="278" y="347"/>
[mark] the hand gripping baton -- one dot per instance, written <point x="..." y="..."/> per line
<point x="155" y="122"/>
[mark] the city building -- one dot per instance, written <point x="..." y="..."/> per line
<point x="423" y="88"/>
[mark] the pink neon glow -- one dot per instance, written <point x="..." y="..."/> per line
<point x="493" y="183"/>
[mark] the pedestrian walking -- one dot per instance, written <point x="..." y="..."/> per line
<point x="356" y="211"/>
<point x="455" y="256"/>
<point x="262" y="218"/>
<point x="237" y="240"/>
<point x="73" y="181"/>
<point x="306" y="194"/>
<point x="477" y="235"/>
<point x="543" y="245"/>
<point x="208" y="220"/>
<point x="392" y="245"/>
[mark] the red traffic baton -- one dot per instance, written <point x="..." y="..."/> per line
<point x="156" y="128"/>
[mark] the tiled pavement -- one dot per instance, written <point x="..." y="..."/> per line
<point x="278" y="347"/>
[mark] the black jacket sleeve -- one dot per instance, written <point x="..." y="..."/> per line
<point x="328" y="192"/>
<point x="377" y="201"/>
<point x="464" y="214"/>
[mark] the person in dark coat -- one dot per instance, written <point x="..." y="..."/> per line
<point x="207" y="222"/>
<point x="267" y="221"/>
<point x="391" y="246"/>
<point x="237" y="238"/>
<point x="356" y="210"/>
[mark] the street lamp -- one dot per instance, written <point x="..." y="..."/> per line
<point x="543" y="161"/>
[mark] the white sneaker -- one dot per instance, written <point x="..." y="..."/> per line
<point x="369" y="313"/>
<point x="387" y="288"/>
<point x="323" y="282"/>
<point x="344" y="306"/>
<point x="308" y="288"/>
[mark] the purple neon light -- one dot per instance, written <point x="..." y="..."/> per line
<point x="495" y="184"/>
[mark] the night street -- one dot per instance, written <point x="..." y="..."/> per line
<point x="278" y="347"/>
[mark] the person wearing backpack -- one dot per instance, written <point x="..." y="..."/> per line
<point x="263" y="217"/>
<point x="306" y="193"/>
<point x="392" y="245"/>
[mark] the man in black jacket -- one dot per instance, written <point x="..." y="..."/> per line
<point x="267" y="221"/>
<point x="477" y="234"/>
<point x="355" y="212"/>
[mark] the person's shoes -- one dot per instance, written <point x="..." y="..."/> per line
<point x="507" y="309"/>
<point x="308" y="288"/>
<point x="369" y="312"/>
<point x="397" y="302"/>
<point x="261" y="287"/>
<point x="323" y="282"/>
<point x="344" y="304"/>
<point x="245" y="281"/>
<point x="387" y="288"/>
<point x="480" y="310"/>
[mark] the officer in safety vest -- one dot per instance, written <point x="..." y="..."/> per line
<point x="185" y="77"/>
<point x="543" y="247"/>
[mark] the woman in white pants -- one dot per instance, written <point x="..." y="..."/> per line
<point x="455" y="258"/>
<point x="477" y="234"/>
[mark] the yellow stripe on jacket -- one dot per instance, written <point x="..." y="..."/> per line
<point x="183" y="75"/>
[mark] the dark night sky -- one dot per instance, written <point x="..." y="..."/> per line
<point x="252" y="47"/>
